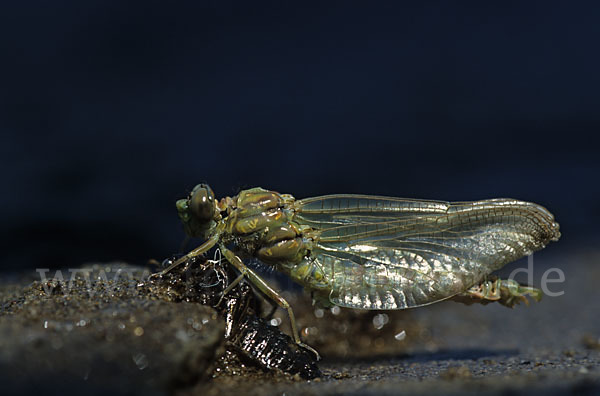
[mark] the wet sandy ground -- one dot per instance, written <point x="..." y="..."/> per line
<point x="138" y="340"/>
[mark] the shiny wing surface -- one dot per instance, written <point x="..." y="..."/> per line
<point x="392" y="253"/>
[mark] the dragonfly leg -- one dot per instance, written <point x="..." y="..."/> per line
<point x="269" y="292"/>
<point x="205" y="247"/>
<point x="507" y="292"/>
<point x="231" y="286"/>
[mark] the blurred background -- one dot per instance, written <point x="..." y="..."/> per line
<point x="111" y="111"/>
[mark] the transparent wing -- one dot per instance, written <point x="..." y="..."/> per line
<point x="392" y="253"/>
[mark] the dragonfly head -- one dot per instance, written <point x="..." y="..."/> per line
<point x="198" y="211"/>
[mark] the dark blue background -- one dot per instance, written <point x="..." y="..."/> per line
<point x="111" y="111"/>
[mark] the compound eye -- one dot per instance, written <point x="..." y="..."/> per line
<point x="202" y="203"/>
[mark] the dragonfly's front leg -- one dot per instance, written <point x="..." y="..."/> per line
<point x="268" y="291"/>
<point x="205" y="247"/>
<point x="507" y="292"/>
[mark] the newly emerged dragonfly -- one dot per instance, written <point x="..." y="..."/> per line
<point x="249" y="337"/>
<point x="371" y="252"/>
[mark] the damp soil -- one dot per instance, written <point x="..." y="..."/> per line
<point x="110" y="329"/>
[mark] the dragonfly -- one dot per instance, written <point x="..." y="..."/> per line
<point x="370" y="252"/>
<point x="248" y="336"/>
